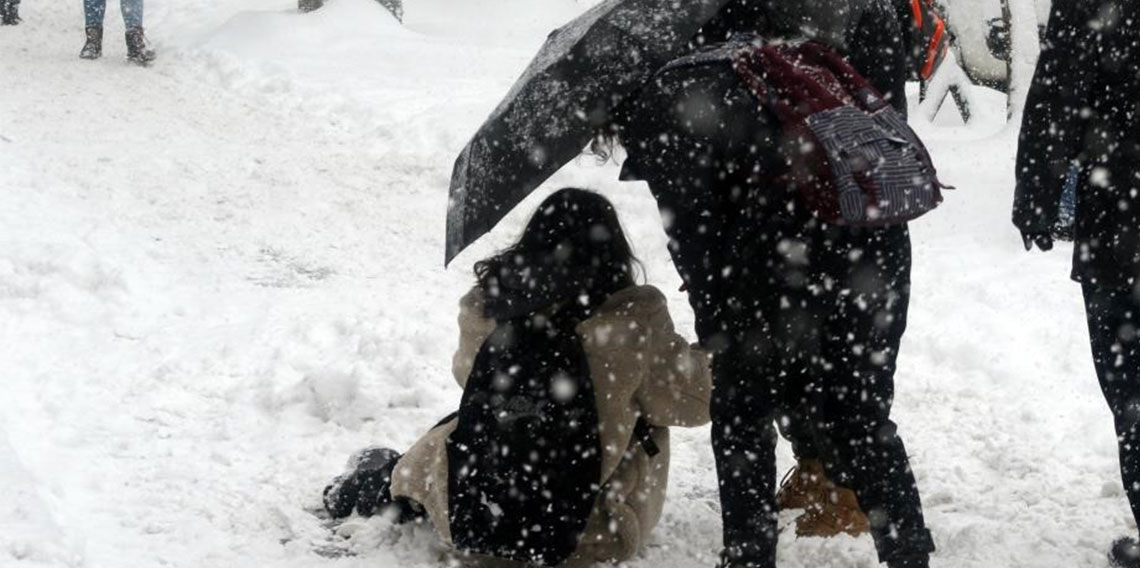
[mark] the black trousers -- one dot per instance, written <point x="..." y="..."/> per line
<point x="795" y="311"/>
<point x="1114" y="331"/>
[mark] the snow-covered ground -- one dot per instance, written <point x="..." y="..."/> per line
<point x="221" y="275"/>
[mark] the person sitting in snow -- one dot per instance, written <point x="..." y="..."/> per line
<point x="137" y="49"/>
<point x="572" y="374"/>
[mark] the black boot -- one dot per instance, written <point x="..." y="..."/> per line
<point x="916" y="561"/>
<point x="747" y="557"/>
<point x="366" y="487"/>
<point x="9" y="13"/>
<point x="93" y="49"/>
<point x="1125" y="553"/>
<point x="137" y="50"/>
<point x="309" y="5"/>
<point x="396" y="7"/>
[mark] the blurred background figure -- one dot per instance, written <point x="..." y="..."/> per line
<point x="137" y="49"/>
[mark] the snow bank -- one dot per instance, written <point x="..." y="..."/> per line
<point x="29" y="533"/>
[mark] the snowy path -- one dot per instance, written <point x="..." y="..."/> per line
<point x="220" y="276"/>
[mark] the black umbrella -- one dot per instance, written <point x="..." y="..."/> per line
<point x="585" y="69"/>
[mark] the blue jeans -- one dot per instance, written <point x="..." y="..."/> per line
<point x="132" y="12"/>
<point x="1069" y="196"/>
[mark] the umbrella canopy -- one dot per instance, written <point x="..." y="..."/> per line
<point x="580" y="75"/>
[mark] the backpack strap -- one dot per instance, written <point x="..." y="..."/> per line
<point x="782" y="77"/>
<point x="786" y="88"/>
<point x="859" y="87"/>
<point x="643" y="433"/>
<point x="446" y="419"/>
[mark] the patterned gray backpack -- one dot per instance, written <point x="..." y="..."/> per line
<point x="854" y="160"/>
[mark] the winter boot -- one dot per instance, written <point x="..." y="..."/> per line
<point x="137" y="50"/>
<point x="396" y="7"/>
<point x="916" y="561"/>
<point x="800" y="488"/>
<point x="1125" y="553"/>
<point x="366" y="488"/>
<point x="741" y="558"/>
<point x="829" y="509"/>
<point x="93" y="49"/>
<point x="837" y="512"/>
<point x="9" y="13"/>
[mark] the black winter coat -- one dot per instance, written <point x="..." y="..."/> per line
<point x="1083" y="106"/>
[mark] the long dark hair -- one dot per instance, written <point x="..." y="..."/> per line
<point x="572" y="255"/>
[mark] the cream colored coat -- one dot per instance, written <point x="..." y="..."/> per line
<point x="640" y="367"/>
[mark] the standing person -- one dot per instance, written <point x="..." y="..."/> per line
<point x="831" y="508"/>
<point x="9" y="12"/>
<point x="1081" y="107"/>
<point x="789" y="304"/>
<point x="571" y="271"/>
<point x="138" y="51"/>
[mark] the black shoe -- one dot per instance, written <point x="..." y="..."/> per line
<point x="9" y="12"/>
<point x="340" y="496"/>
<point x="138" y="52"/>
<point x="309" y="5"/>
<point x="725" y="563"/>
<point x="917" y="561"/>
<point x="93" y="49"/>
<point x="1125" y="553"/>
<point x="365" y="487"/>
<point x="741" y="558"/>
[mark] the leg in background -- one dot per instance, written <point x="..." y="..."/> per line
<point x="132" y="13"/>
<point x="93" y="12"/>
<point x="1114" y="331"/>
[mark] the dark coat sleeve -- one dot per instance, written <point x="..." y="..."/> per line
<point x="904" y="13"/>
<point x="877" y="44"/>
<point x="1056" y="111"/>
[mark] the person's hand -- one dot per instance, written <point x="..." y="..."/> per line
<point x="1063" y="232"/>
<point x="1043" y="240"/>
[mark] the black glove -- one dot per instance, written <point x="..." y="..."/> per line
<point x="1043" y="240"/>
<point x="1065" y="232"/>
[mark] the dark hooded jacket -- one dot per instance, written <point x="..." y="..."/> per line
<point x="1083" y="107"/>
<point x="873" y="34"/>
